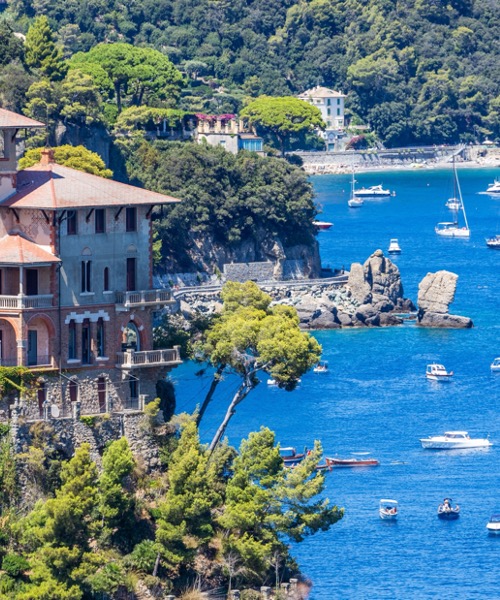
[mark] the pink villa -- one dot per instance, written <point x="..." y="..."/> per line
<point x="76" y="297"/>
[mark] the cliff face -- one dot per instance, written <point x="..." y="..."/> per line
<point x="203" y="254"/>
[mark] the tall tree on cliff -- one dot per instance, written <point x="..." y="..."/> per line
<point x="250" y="337"/>
<point x="282" y="117"/>
<point x="41" y="51"/>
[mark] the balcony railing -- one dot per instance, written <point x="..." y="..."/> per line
<point x="148" y="358"/>
<point x="41" y="361"/>
<point x="23" y="302"/>
<point x="143" y="298"/>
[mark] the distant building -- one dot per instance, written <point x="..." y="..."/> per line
<point x="331" y="105"/>
<point x="229" y="132"/>
<point x="76" y="297"/>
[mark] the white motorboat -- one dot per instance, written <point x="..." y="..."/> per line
<point x="354" y="202"/>
<point x="321" y="367"/>
<point x="493" y="525"/>
<point x="388" y="509"/>
<point x="436" y="372"/>
<point x="493" y="242"/>
<point x="453" y="229"/>
<point x="494" y="188"/>
<point x="375" y="191"/>
<point x="495" y="365"/>
<point x="454" y="440"/>
<point x="394" y="247"/>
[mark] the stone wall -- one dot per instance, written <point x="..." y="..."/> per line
<point x="252" y="271"/>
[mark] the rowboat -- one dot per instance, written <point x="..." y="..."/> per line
<point x="338" y="463"/>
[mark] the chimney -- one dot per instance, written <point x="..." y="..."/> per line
<point x="47" y="156"/>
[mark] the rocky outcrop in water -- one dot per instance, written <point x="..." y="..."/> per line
<point x="436" y="292"/>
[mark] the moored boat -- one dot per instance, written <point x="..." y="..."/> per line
<point x="495" y="365"/>
<point x="321" y="367"/>
<point x="453" y="440"/>
<point x="291" y="457"/>
<point x="494" y="188"/>
<point x="374" y="191"/>
<point x="493" y="242"/>
<point x="394" y="247"/>
<point x="435" y="372"/>
<point x="493" y="525"/>
<point x="337" y="463"/>
<point x="322" y="225"/>
<point x="453" y="204"/>
<point x="453" y="229"/>
<point x="447" y="512"/>
<point x="388" y="509"/>
<point x="353" y="201"/>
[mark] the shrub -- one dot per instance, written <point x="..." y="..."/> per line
<point x="14" y="565"/>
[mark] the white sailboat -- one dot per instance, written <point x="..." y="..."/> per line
<point x="354" y="202"/>
<point x="452" y="229"/>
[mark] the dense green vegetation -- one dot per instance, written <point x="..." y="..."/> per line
<point x="418" y="71"/>
<point x="226" y="198"/>
<point x="201" y="521"/>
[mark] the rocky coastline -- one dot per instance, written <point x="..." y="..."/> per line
<point x="369" y="295"/>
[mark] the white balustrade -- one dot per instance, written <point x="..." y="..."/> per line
<point x="21" y="302"/>
<point x="147" y="358"/>
<point x="142" y="298"/>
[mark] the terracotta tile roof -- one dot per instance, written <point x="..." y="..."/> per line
<point x="11" y="120"/>
<point x="53" y="186"/>
<point x="321" y="92"/>
<point x="17" y="250"/>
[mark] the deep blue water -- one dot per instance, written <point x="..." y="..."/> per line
<point x="376" y="399"/>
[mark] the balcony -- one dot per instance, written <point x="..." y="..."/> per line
<point x="149" y="358"/>
<point x="143" y="298"/>
<point x="22" y="302"/>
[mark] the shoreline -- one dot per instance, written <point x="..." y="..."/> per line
<point x="346" y="170"/>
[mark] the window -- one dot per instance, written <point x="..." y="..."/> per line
<point x="42" y="397"/>
<point x="131" y="275"/>
<point x="101" y="348"/>
<point x="338" y="100"/>
<point x="3" y="149"/>
<point x="31" y="282"/>
<point x="252" y="145"/>
<point x="328" y="102"/>
<point x="101" y="394"/>
<point x="338" y="112"/>
<point x="134" y="388"/>
<point x="86" y="276"/>
<point x="72" y="340"/>
<point x="72" y="220"/>
<point x="100" y="220"/>
<point x="131" y="219"/>
<point x="106" y="279"/>
<point x="86" y="342"/>
<point x="328" y="112"/>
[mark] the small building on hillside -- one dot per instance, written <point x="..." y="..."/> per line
<point x="331" y="105"/>
<point x="76" y="295"/>
<point x="229" y="132"/>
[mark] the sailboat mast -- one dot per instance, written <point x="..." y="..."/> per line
<point x="460" y="193"/>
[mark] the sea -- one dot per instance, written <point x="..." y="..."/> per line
<point x="376" y="402"/>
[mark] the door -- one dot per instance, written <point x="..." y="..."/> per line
<point x="42" y="396"/>
<point x="131" y="274"/>
<point x="32" y="347"/>
<point x="101" y="394"/>
<point x="31" y="282"/>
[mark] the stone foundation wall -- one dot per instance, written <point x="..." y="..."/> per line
<point x="252" y="271"/>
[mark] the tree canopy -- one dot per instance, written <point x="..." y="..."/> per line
<point x="283" y="117"/>
<point x="76" y="157"/>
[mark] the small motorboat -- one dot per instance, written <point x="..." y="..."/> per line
<point x="322" y="225"/>
<point x="321" y="367"/>
<point x="291" y="457"/>
<point x="493" y="242"/>
<point x="494" y="188"/>
<point x="388" y="509"/>
<point x="273" y="382"/>
<point x="435" y="372"/>
<point x="447" y="512"/>
<point x="394" y="247"/>
<point x="375" y="191"/>
<point x="337" y="463"/>
<point x="495" y="365"/>
<point x="454" y="440"/>
<point x="493" y="525"/>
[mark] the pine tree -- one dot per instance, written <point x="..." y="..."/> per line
<point x="41" y="51"/>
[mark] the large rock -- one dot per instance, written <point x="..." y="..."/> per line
<point x="360" y="289"/>
<point x="436" y="292"/>
<point x="383" y="277"/>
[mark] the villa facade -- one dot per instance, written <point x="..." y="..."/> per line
<point x="229" y="132"/>
<point x="76" y="295"/>
<point x="331" y="105"/>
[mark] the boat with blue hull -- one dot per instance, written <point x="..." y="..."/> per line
<point x="446" y="512"/>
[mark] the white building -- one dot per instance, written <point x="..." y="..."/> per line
<point x="331" y="105"/>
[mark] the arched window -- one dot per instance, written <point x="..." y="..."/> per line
<point x="106" y="279"/>
<point x="72" y="340"/>
<point x="101" y="346"/>
<point x="131" y="339"/>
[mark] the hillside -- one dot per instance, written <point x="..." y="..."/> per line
<point x="418" y="71"/>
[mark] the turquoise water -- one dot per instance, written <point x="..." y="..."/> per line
<point x="376" y="399"/>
